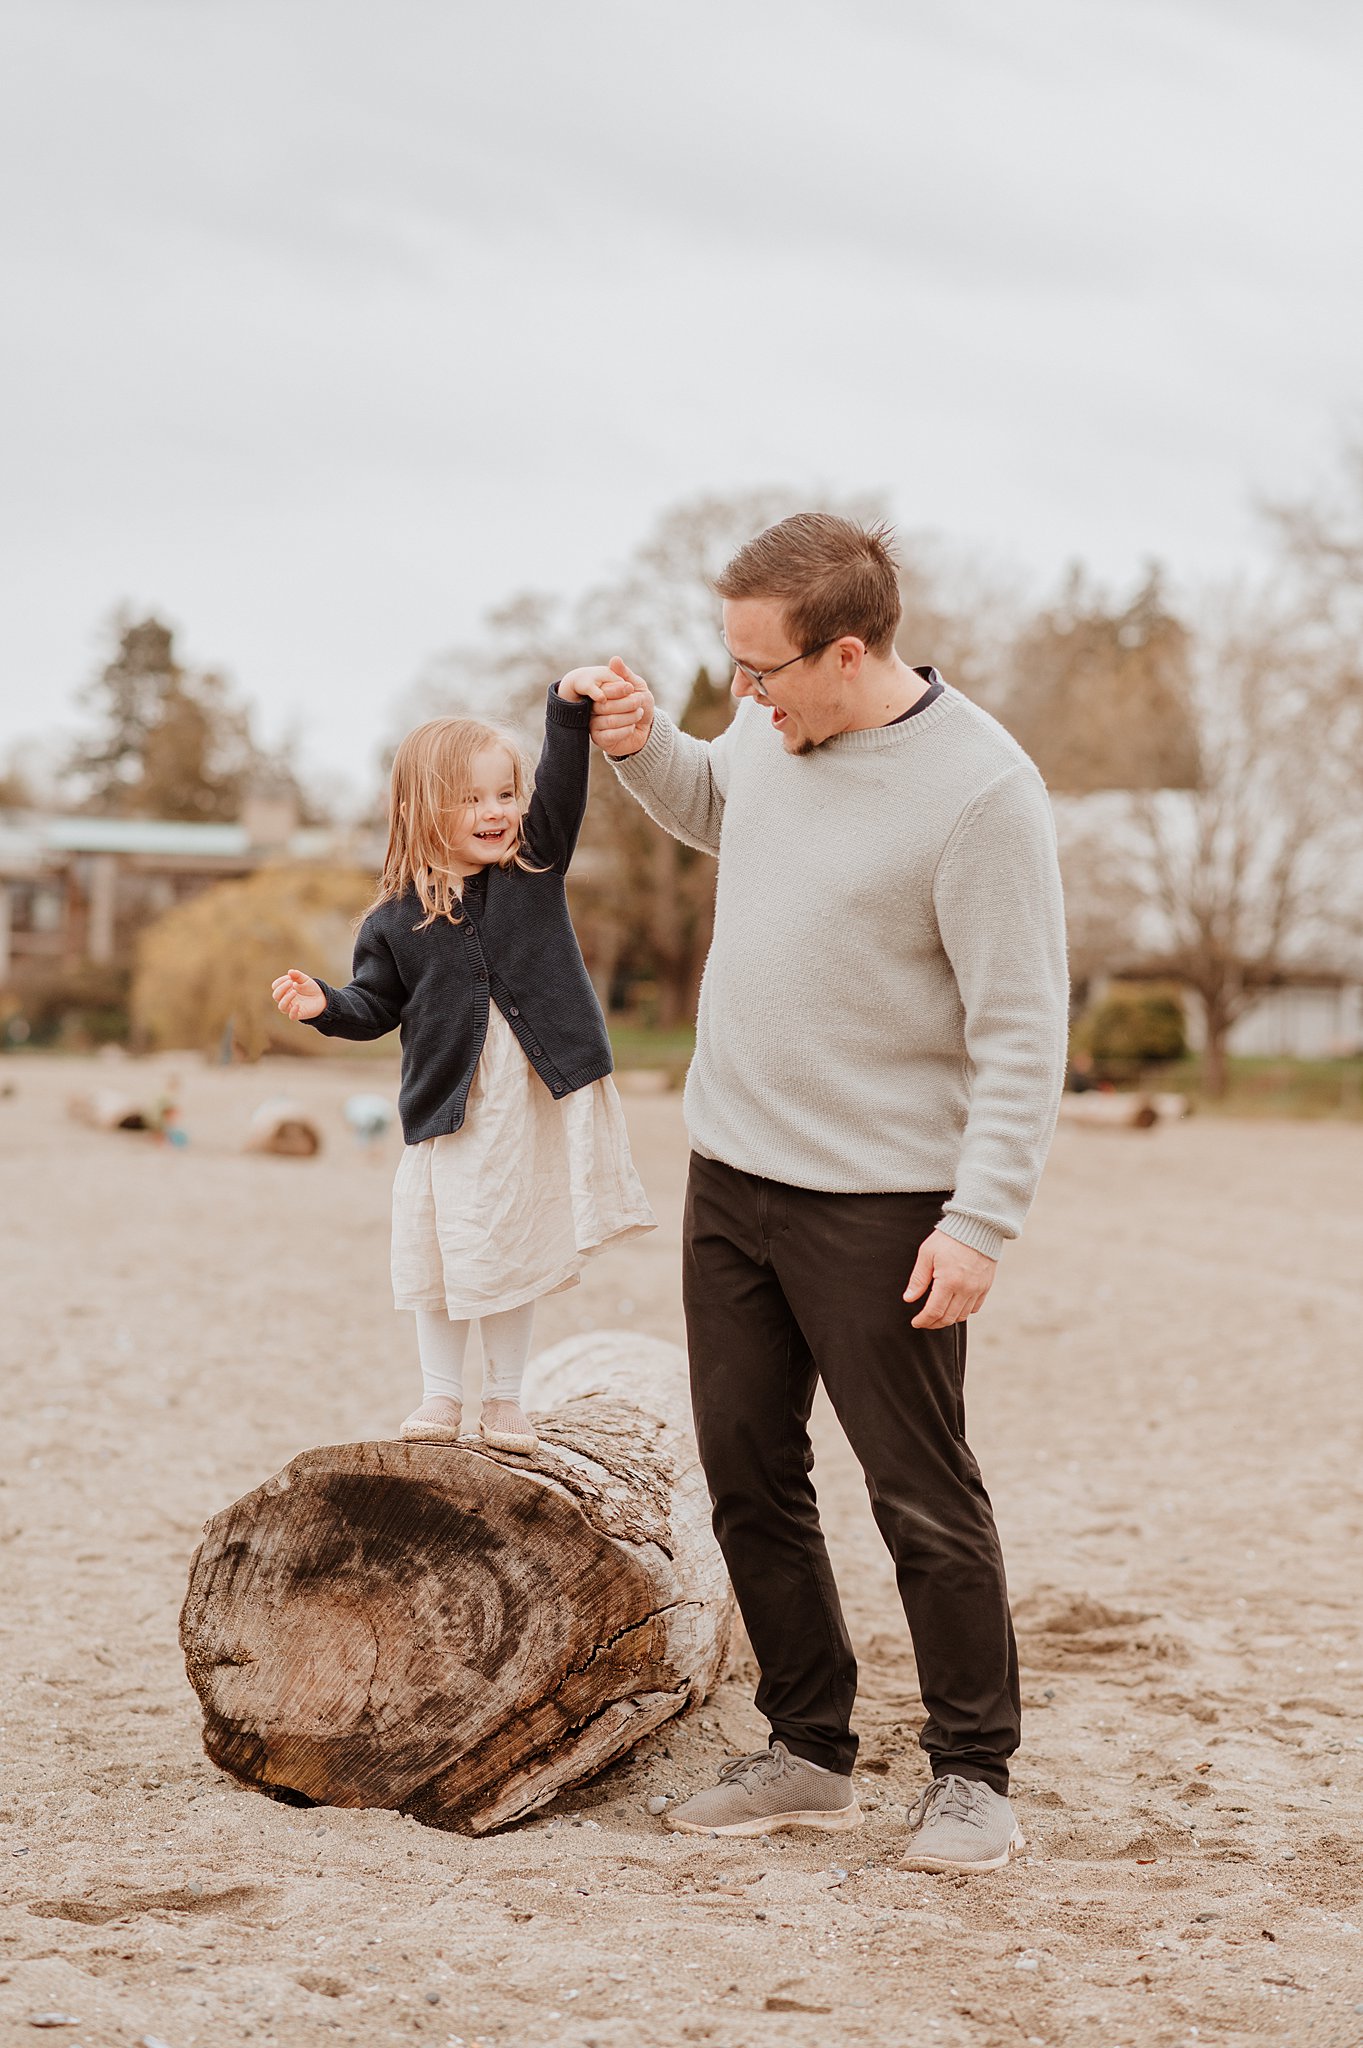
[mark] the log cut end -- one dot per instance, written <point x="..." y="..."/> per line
<point x="454" y="1633"/>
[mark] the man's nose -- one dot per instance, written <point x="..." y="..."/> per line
<point x="740" y="686"/>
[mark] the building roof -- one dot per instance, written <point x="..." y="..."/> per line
<point x="164" y="836"/>
<point x="35" y="842"/>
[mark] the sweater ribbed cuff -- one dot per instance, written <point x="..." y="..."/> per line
<point x="576" y="711"/>
<point x="326" y="1016"/>
<point x="974" y="1231"/>
<point x="652" y="753"/>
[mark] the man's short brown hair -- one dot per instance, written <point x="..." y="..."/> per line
<point x="829" y="575"/>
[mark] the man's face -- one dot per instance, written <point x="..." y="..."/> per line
<point x="808" y="701"/>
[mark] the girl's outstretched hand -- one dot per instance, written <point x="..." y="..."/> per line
<point x="298" y="995"/>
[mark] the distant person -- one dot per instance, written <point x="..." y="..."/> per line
<point x="879" y="1055"/>
<point x="517" y="1165"/>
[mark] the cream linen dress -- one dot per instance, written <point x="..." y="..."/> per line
<point x="511" y="1206"/>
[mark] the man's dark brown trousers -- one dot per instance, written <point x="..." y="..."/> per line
<point x="783" y="1287"/>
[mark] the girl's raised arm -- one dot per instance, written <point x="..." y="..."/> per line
<point x="559" y="803"/>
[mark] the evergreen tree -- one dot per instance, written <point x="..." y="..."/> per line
<point x="167" y="742"/>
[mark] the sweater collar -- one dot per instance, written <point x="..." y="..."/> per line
<point x="904" y="732"/>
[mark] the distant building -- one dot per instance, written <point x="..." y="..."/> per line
<point x="75" y="889"/>
<point x="1312" y="1010"/>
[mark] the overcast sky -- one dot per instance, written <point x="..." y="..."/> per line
<point x="329" y="325"/>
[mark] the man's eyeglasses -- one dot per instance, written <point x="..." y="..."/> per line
<point x="758" y="676"/>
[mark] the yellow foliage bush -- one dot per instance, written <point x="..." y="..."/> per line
<point x="208" y="963"/>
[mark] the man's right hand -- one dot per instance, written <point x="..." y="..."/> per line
<point x="622" y="715"/>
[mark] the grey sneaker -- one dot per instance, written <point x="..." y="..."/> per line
<point x="768" y="1790"/>
<point x="961" y="1824"/>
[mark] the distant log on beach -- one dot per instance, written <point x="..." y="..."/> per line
<point x="285" y="1128"/>
<point x="461" y="1633"/>
<point x="1111" y="1111"/>
<point x="108" y="1109"/>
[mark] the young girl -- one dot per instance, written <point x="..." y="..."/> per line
<point x="517" y="1165"/>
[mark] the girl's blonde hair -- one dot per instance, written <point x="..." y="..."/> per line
<point x="428" y="794"/>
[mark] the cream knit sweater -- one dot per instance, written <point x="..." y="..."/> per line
<point x="884" y="1005"/>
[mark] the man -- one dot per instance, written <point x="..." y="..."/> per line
<point x="879" y="1055"/>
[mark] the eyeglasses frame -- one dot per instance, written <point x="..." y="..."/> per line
<point x="758" y="676"/>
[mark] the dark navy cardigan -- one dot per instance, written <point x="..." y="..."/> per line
<point x="514" y="946"/>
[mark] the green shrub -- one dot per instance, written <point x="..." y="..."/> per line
<point x="1136" y="1023"/>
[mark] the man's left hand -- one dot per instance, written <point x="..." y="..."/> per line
<point x="955" y="1278"/>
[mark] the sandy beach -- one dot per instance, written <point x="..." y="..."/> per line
<point x="1166" y="1398"/>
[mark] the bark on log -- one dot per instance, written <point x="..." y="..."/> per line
<point x="284" y="1128"/>
<point x="457" y="1632"/>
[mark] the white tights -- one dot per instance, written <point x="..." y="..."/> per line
<point x="442" y="1343"/>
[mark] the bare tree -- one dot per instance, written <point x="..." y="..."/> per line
<point x="1098" y="691"/>
<point x="1321" y="541"/>
<point x="643" y="903"/>
<point x="1259" y="870"/>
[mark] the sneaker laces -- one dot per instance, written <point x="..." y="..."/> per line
<point x="950" y="1798"/>
<point x="763" y="1767"/>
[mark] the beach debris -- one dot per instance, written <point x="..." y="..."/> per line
<point x="53" y="2019"/>
<point x="776" y="2003"/>
<point x="1123" y="1109"/>
<point x="658" y="1803"/>
<point x="1105" y="1109"/>
<point x="369" y="1116"/>
<point x="283" y="1128"/>
<point x="108" y="1109"/>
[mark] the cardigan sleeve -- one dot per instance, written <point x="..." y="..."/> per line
<point x="371" y="1003"/>
<point x="558" y="804"/>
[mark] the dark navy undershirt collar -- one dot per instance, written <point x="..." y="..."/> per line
<point x="930" y="696"/>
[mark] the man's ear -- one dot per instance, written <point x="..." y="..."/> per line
<point x="851" y="655"/>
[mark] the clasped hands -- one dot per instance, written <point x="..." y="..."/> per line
<point x="622" y="705"/>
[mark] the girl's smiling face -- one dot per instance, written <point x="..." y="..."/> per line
<point x="490" y="825"/>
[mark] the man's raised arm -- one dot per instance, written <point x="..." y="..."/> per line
<point x="679" y="780"/>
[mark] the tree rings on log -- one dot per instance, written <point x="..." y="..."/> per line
<point x="454" y="1632"/>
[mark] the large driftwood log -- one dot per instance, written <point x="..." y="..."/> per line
<point x="457" y="1632"/>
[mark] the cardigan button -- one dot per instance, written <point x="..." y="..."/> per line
<point x="513" y="1011"/>
<point x="558" y="1087"/>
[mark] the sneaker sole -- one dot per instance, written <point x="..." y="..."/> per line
<point x="957" y="1865"/>
<point x="832" y="1821"/>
